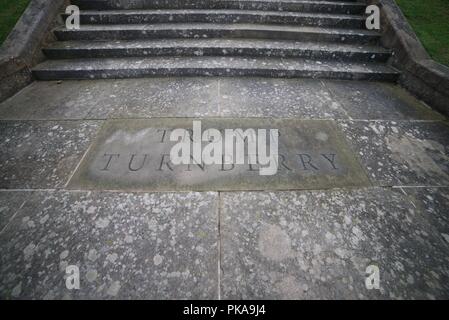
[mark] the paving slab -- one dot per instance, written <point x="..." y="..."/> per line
<point x="55" y="100"/>
<point x="10" y="203"/>
<point x="318" y="244"/>
<point x="126" y="246"/>
<point x="279" y="98"/>
<point x="434" y="203"/>
<point x="214" y="97"/>
<point x="135" y="155"/>
<point x="125" y="98"/>
<point x="401" y="153"/>
<point x="172" y="97"/>
<point x="42" y="154"/>
<point x="378" y="100"/>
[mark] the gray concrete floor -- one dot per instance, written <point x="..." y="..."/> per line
<point x="289" y="244"/>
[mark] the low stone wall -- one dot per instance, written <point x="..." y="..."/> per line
<point x="22" y="49"/>
<point x="421" y="75"/>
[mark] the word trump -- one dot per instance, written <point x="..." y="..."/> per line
<point x="190" y="147"/>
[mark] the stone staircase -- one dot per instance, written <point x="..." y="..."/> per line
<point x="269" y="38"/>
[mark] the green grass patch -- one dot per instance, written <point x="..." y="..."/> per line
<point x="430" y="21"/>
<point x="10" y="12"/>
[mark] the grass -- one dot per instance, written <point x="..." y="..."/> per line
<point x="10" y="12"/>
<point x="430" y="21"/>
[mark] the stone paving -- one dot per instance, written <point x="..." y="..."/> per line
<point x="276" y="243"/>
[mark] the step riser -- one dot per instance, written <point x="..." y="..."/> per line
<point x="208" y="51"/>
<point x="335" y="7"/>
<point x="67" y="35"/>
<point x="118" y="74"/>
<point x="317" y="54"/>
<point x="221" y="18"/>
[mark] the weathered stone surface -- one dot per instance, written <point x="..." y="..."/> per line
<point x="434" y="203"/>
<point x="216" y="47"/>
<point x="289" y="244"/>
<point x="281" y="98"/>
<point x="135" y="155"/>
<point x="218" y="38"/>
<point x="21" y="49"/>
<point x="137" y="67"/>
<point x="275" y="5"/>
<point x="11" y="84"/>
<point x="10" y="203"/>
<point x="212" y="30"/>
<point x="122" y="17"/>
<point x="172" y="97"/>
<point x="44" y="154"/>
<point x="213" y="97"/>
<point x="317" y="245"/>
<point x="141" y="246"/>
<point x="102" y="99"/>
<point x="53" y="100"/>
<point x="402" y="153"/>
<point x="315" y="99"/>
<point x="377" y="101"/>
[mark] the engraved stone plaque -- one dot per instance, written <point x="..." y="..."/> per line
<point x="134" y="155"/>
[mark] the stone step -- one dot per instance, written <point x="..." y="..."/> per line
<point x="213" y="30"/>
<point x="329" y="6"/>
<point x="211" y="66"/>
<point x="215" y="47"/>
<point x="221" y="16"/>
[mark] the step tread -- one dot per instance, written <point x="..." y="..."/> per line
<point x="216" y="43"/>
<point x="277" y="64"/>
<point x="320" y="2"/>
<point x="348" y="2"/>
<point x="221" y="12"/>
<point x="222" y="26"/>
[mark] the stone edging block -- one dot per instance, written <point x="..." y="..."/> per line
<point x="22" y="49"/>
